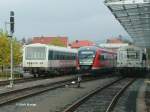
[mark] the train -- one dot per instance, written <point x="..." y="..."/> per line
<point x="127" y="60"/>
<point x="131" y="59"/>
<point x="96" y="60"/>
<point x="44" y="59"/>
<point x="41" y="59"/>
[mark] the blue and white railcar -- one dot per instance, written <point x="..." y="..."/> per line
<point x="42" y="59"/>
<point x="131" y="59"/>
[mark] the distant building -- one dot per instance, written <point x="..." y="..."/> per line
<point x="114" y="40"/>
<point x="113" y="44"/>
<point x="80" y="43"/>
<point x="51" y="40"/>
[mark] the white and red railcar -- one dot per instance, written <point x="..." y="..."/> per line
<point x="96" y="59"/>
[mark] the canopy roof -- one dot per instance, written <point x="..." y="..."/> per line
<point x="134" y="16"/>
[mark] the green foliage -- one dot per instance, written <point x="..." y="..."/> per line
<point x="57" y="42"/>
<point x="5" y="50"/>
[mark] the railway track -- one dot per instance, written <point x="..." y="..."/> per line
<point x="14" y="95"/>
<point x="22" y="80"/>
<point x="6" y="82"/>
<point x="102" y="99"/>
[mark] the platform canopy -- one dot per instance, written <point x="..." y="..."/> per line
<point x="134" y="16"/>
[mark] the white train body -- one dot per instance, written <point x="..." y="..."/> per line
<point x="131" y="58"/>
<point x="40" y="58"/>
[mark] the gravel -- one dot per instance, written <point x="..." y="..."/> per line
<point x="101" y="100"/>
<point x="56" y="100"/>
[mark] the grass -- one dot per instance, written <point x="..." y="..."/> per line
<point x="6" y="75"/>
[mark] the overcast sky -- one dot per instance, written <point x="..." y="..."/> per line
<point x="77" y="19"/>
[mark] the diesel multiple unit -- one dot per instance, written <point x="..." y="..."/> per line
<point x="41" y="59"/>
<point x="131" y="59"/>
<point x="95" y="59"/>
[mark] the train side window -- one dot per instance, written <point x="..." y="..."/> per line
<point x="75" y="55"/>
<point x="102" y="57"/>
<point x="56" y="55"/>
<point x="50" y="55"/>
<point x="72" y="57"/>
<point x="59" y="55"/>
<point x="64" y="56"/>
<point x="68" y="57"/>
<point x="144" y="56"/>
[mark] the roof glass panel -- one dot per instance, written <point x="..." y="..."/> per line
<point x="134" y="16"/>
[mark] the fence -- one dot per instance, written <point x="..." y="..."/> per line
<point x="5" y="72"/>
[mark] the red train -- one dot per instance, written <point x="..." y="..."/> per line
<point x="95" y="59"/>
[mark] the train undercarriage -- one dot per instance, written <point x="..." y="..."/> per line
<point x="41" y="71"/>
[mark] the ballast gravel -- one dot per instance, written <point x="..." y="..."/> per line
<point x="55" y="100"/>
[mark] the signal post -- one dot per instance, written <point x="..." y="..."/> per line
<point x="11" y="47"/>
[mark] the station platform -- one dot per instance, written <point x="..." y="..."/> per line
<point x="143" y="99"/>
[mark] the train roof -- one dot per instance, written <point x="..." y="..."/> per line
<point x="95" y="48"/>
<point x="88" y="47"/>
<point x="130" y="47"/>
<point x="52" y="47"/>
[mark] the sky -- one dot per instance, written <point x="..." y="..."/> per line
<point x="76" y="19"/>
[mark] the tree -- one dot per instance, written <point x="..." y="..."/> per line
<point x="5" y="50"/>
<point x="57" y="42"/>
<point x="17" y="50"/>
<point x="23" y="41"/>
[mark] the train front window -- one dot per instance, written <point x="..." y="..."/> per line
<point x="35" y="53"/>
<point x="86" y="54"/>
<point x="132" y="55"/>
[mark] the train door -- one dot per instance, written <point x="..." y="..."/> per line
<point x="144" y="59"/>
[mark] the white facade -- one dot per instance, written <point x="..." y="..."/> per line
<point x="113" y="46"/>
